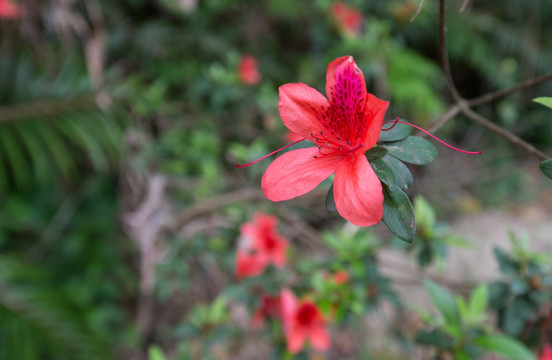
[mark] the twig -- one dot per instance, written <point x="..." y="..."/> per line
<point x="464" y="5"/>
<point x="46" y="108"/>
<point x="501" y="93"/>
<point x="464" y="105"/>
<point x="443" y="54"/>
<point x="514" y="139"/>
<point x="216" y="202"/>
<point x="418" y="10"/>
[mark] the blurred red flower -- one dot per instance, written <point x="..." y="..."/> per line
<point x="10" y="10"/>
<point x="248" y="70"/>
<point x="343" y="127"/>
<point x="546" y="353"/>
<point x="302" y="322"/>
<point x="260" y="245"/>
<point x="348" y="19"/>
<point x="341" y="277"/>
<point x="270" y="307"/>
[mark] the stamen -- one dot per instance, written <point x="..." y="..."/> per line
<point x="431" y="135"/>
<point x="272" y="153"/>
<point x="392" y="126"/>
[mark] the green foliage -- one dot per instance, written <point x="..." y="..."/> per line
<point x="546" y="167"/>
<point x="398" y="213"/>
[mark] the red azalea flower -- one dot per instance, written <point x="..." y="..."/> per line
<point x="546" y="353"/>
<point x="343" y="127"/>
<point x="248" y="70"/>
<point x="270" y="307"/>
<point x="348" y="19"/>
<point x="260" y="244"/>
<point x="341" y="277"/>
<point x="10" y="10"/>
<point x="303" y="321"/>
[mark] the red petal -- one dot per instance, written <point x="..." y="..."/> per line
<point x="339" y="69"/>
<point x="297" y="172"/>
<point x="374" y="113"/>
<point x="295" y="340"/>
<point x="319" y="338"/>
<point x="301" y="108"/>
<point x="358" y="193"/>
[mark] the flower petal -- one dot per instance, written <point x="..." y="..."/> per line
<point x="288" y="307"/>
<point x="301" y="108"/>
<point x="319" y="338"/>
<point x="358" y="193"/>
<point x="297" y="172"/>
<point x="374" y="113"/>
<point x="295" y="340"/>
<point x="344" y="71"/>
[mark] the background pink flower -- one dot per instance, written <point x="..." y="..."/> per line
<point x="248" y="70"/>
<point x="348" y="19"/>
<point x="260" y="245"/>
<point x="303" y="322"/>
<point x="10" y="10"/>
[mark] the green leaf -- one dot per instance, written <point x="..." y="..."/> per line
<point x="403" y="176"/>
<point x="546" y="167"/>
<point x="413" y="150"/>
<point x="398" y="132"/>
<point x="546" y="101"/>
<point x="375" y="153"/>
<point x="505" y="346"/>
<point x="444" y="301"/>
<point x="398" y="213"/>
<point x="424" y="212"/>
<point x="383" y="171"/>
<point x="330" y="201"/>
<point x="478" y="303"/>
<point x="155" y="353"/>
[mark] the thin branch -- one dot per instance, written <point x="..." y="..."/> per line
<point x="443" y="119"/>
<point x="418" y="10"/>
<point x="464" y="105"/>
<point x="501" y="93"/>
<point x="443" y="54"/>
<point x="209" y="205"/>
<point x="43" y="108"/>
<point x="464" y="6"/>
<point x="514" y="139"/>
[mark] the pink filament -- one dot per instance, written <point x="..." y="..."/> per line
<point x="272" y="153"/>
<point x="431" y="135"/>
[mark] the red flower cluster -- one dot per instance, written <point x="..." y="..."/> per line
<point x="348" y="19"/>
<point x="260" y="245"/>
<point x="248" y="70"/>
<point x="10" y="10"/>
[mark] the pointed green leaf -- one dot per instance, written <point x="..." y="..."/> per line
<point x="424" y="212"/>
<point x="398" y="132"/>
<point x="546" y="167"/>
<point x="398" y="213"/>
<point x="444" y="301"/>
<point x="546" y="101"/>
<point x="330" y="201"/>
<point x="376" y="152"/>
<point x="14" y="153"/>
<point x="505" y="346"/>
<point x="383" y="171"/>
<point x="478" y="303"/>
<point x="403" y="176"/>
<point x="413" y="150"/>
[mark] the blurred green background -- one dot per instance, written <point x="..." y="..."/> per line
<point x="120" y="120"/>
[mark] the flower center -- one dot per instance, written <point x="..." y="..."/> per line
<point x="328" y="147"/>
<point x="306" y="314"/>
